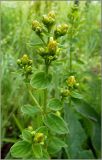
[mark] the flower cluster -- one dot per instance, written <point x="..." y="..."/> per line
<point x="37" y="27"/>
<point x="60" y="30"/>
<point x="50" y="49"/>
<point x="39" y="138"/>
<point x="71" y="85"/>
<point x="25" y="64"/>
<point x="65" y="92"/>
<point x="71" y="82"/>
<point x="49" y="52"/>
<point x="49" y="20"/>
<point x="52" y="46"/>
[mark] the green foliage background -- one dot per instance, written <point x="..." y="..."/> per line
<point x="18" y="39"/>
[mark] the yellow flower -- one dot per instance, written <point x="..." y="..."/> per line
<point x="71" y="81"/>
<point x="39" y="138"/>
<point x="37" y="27"/>
<point x="51" y="14"/>
<point x="60" y="30"/>
<point x="25" y="59"/>
<point x="65" y="92"/>
<point x="35" y="24"/>
<point x="52" y="46"/>
<point x="49" y="19"/>
<point x="25" y="63"/>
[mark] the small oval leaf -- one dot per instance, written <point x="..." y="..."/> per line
<point x="42" y="129"/>
<point x="41" y="80"/>
<point x="56" y="124"/>
<point x="55" y="145"/>
<point x="20" y="149"/>
<point x="55" y="104"/>
<point x="30" y="110"/>
<point x="26" y="135"/>
<point x="37" y="150"/>
<point x="76" y="95"/>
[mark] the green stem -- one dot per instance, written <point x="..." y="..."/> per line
<point x="45" y="99"/>
<point x="45" y="90"/>
<point x="70" y="58"/>
<point x="17" y="123"/>
<point x="35" y="101"/>
<point x="49" y="30"/>
<point x="69" y="101"/>
<point x="42" y="40"/>
<point x="8" y="155"/>
<point x="9" y="140"/>
<point x="70" y="66"/>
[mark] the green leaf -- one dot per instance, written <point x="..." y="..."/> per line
<point x="42" y="129"/>
<point x="76" y="136"/>
<point x="93" y="131"/>
<point x="27" y="136"/>
<point x="96" y="138"/>
<point x="56" y="124"/>
<point x="80" y="61"/>
<point x="37" y="150"/>
<point x="20" y="149"/>
<point x="86" y="154"/>
<point x="55" y="145"/>
<point x="45" y="154"/>
<point x="85" y="109"/>
<point x="55" y="104"/>
<point x="41" y="80"/>
<point x="76" y="95"/>
<point x="30" y="110"/>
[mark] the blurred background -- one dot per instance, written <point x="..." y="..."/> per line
<point x="17" y="38"/>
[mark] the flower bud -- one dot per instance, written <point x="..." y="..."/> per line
<point x="36" y="26"/>
<point x="29" y="69"/>
<point x="60" y="30"/>
<point x="25" y="59"/>
<point x="58" y="113"/>
<point x="33" y="132"/>
<point x="30" y="62"/>
<point x="76" y="85"/>
<point x="49" y="20"/>
<point x="51" y="14"/>
<point x="52" y="58"/>
<point x="18" y="61"/>
<point x="42" y="51"/>
<point x="65" y="92"/>
<point x="38" y="30"/>
<point x="30" y="128"/>
<point x="52" y="46"/>
<point x="26" y="65"/>
<point x="71" y="81"/>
